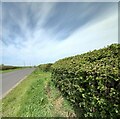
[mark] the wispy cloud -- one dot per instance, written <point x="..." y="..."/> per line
<point x="45" y="32"/>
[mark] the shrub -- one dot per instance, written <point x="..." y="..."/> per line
<point x="90" y="81"/>
<point x="45" y="67"/>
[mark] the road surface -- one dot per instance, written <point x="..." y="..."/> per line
<point x="11" y="79"/>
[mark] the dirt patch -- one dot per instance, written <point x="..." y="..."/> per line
<point x="58" y="103"/>
<point x="71" y="114"/>
<point x="59" y="109"/>
<point x="48" y="89"/>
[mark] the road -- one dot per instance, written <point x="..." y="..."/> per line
<point x="11" y="79"/>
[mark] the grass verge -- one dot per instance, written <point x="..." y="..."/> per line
<point x="36" y="96"/>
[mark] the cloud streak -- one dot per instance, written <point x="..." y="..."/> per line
<point x="45" y="32"/>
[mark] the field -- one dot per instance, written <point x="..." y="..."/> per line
<point x="6" y="68"/>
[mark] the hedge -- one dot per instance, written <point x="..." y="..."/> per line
<point x="45" y="67"/>
<point x="90" y="81"/>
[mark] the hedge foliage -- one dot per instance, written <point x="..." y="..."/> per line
<point x="90" y="81"/>
<point x="45" y="67"/>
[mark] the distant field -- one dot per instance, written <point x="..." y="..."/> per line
<point x="5" y="68"/>
<point x="9" y="70"/>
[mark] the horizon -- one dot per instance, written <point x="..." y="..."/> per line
<point x="58" y="59"/>
<point x="40" y="33"/>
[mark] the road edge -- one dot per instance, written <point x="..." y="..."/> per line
<point x="13" y="87"/>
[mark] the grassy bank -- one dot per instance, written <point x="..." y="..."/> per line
<point x="36" y="96"/>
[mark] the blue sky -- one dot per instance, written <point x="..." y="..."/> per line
<point x="35" y="33"/>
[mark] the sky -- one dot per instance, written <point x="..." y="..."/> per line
<point x="34" y="33"/>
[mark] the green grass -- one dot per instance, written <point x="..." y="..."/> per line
<point x="0" y="108"/>
<point x="36" y="96"/>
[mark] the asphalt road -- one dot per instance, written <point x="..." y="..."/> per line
<point x="11" y="79"/>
